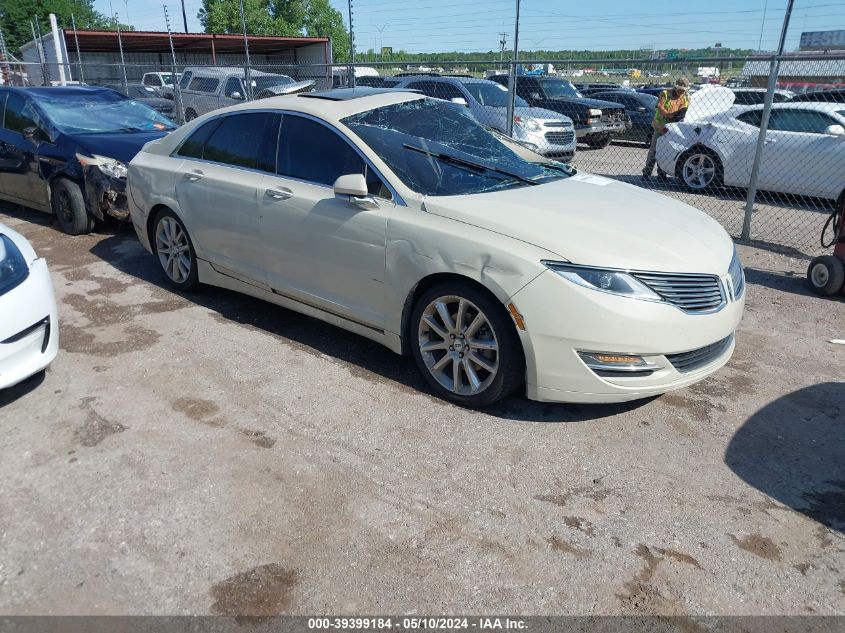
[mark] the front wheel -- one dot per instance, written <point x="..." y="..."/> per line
<point x="68" y="205"/>
<point x="465" y="345"/>
<point x="598" y="141"/>
<point x="175" y="251"/>
<point x="699" y="169"/>
<point x="826" y="275"/>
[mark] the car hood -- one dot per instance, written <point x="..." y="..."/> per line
<point x="592" y="220"/>
<point x="157" y="102"/>
<point x="121" y="146"/>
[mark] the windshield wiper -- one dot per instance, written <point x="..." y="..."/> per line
<point x="462" y="162"/>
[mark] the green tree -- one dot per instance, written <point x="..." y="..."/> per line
<point x="15" y="16"/>
<point x="322" y="20"/>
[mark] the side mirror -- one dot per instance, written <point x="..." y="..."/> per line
<point x="460" y="101"/>
<point x="236" y="95"/>
<point x="355" y="186"/>
<point x="835" y="130"/>
<point x="36" y="136"/>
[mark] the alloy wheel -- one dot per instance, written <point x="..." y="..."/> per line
<point x="174" y="252"/>
<point x="699" y="171"/>
<point x="65" y="207"/>
<point x="458" y="345"/>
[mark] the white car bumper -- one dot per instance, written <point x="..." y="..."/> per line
<point x="562" y="319"/>
<point x="29" y="327"/>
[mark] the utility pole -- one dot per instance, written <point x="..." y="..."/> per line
<point x="762" y="24"/>
<point x="184" y="16"/>
<point x="502" y="43"/>
<point x="122" y="61"/>
<point x="380" y="42"/>
<point x="177" y="89"/>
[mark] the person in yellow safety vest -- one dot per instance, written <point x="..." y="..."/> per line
<point x="671" y="106"/>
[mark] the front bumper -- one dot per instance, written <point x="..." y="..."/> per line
<point x="545" y="141"/>
<point x="562" y="319"/>
<point x="29" y="327"/>
<point x="582" y="131"/>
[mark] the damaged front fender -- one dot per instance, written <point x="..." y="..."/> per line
<point x="104" y="194"/>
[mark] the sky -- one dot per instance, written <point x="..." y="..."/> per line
<point x="420" y="26"/>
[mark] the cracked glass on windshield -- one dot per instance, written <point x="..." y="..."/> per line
<point x="439" y="149"/>
<point x="101" y="113"/>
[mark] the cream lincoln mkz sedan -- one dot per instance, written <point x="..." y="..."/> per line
<point x="400" y="218"/>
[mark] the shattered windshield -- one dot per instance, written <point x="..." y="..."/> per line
<point x="101" y="113"/>
<point x="438" y="149"/>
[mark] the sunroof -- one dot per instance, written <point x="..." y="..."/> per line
<point x="345" y="94"/>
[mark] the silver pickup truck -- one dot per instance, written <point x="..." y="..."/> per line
<point x="205" y="89"/>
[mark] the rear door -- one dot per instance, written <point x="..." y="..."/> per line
<point x="225" y="163"/>
<point x="20" y="173"/>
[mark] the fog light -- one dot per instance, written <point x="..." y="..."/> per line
<point x="606" y="363"/>
<point x="611" y="359"/>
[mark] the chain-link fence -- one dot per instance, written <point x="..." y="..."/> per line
<point x="715" y="141"/>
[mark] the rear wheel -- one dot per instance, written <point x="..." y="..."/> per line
<point x="68" y="205"/>
<point x="598" y="141"/>
<point x="465" y="345"/>
<point x="699" y="169"/>
<point x="175" y="251"/>
<point x="826" y="275"/>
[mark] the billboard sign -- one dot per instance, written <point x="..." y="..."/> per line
<point x="822" y="40"/>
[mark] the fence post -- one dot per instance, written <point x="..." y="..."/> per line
<point x="177" y="89"/>
<point x="247" y="72"/>
<point x="36" y="36"/>
<point x="78" y="54"/>
<point x="122" y="61"/>
<point x="774" y="69"/>
<point x="512" y="72"/>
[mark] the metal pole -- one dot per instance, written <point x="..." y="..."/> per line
<point x="122" y="62"/>
<point x="774" y="68"/>
<point x="78" y="54"/>
<point x="45" y="71"/>
<point x="57" y="46"/>
<point x="512" y="78"/>
<point x="350" y="71"/>
<point x="177" y="89"/>
<point x="762" y="24"/>
<point x="184" y="17"/>
<point x="247" y="73"/>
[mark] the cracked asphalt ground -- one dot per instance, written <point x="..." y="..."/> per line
<point x="211" y="453"/>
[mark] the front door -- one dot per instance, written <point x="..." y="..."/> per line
<point x="218" y="190"/>
<point x="20" y="172"/>
<point x="320" y="249"/>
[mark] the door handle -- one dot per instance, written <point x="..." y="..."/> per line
<point x="194" y="175"/>
<point x="281" y="193"/>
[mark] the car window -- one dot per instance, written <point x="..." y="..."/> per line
<point x="312" y="152"/>
<point x="493" y="95"/>
<point x="195" y="143"/>
<point x="240" y="140"/>
<point x="233" y="84"/>
<point x="752" y="117"/>
<point x="204" y="84"/>
<point x="800" y="121"/>
<point x="19" y="114"/>
<point x="186" y="78"/>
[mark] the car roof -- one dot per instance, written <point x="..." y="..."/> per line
<point x="446" y="79"/>
<point x="323" y="106"/>
<point x="52" y="91"/>
<point x="821" y="106"/>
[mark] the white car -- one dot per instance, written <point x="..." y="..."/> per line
<point x="29" y="324"/>
<point x="803" y="154"/>
<point x="402" y="219"/>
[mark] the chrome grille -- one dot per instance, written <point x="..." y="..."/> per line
<point x="560" y="138"/>
<point x="737" y="276"/>
<point x="690" y="292"/>
<point x="692" y="360"/>
<point x="558" y="124"/>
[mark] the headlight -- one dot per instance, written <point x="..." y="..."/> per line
<point x="612" y="281"/>
<point x="109" y="166"/>
<point x="529" y="125"/>
<point x="595" y="112"/>
<point x="13" y="268"/>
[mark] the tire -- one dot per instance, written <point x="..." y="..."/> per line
<point x="826" y="275"/>
<point x="484" y="353"/>
<point x="699" y="169"/>
<point x="598" y="141"/>
<point x="68" y="206"/>
<point x="190" y="115"/>
<point x="175" y="251"/>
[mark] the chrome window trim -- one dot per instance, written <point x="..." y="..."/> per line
<point x="548" y="263"/>
<point x="175" y="153"/>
